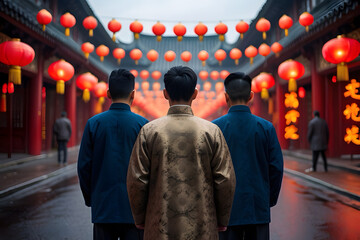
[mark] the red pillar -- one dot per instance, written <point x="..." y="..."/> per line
<point x="70" y="106"/>
<point x="280" y="106"/>
<point x="35" y="108"/>
<point x="256" y="105"/>
<point x="317" y="89"/>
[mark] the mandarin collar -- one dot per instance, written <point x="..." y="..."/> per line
<point x="180" y="109"/>
<point x="240" y="108"/>
<point x="121" y="106"/>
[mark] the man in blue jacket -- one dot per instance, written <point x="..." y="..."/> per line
<point x="103" y="161"/>
<point x="257" y="160"/>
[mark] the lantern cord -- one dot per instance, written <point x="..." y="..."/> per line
<point x="264" y="94"/>
<point x="292" y="85"/>
<point x="60" y="87"/>
<point x="342" y="72"/>
<point x="15" y="74"/>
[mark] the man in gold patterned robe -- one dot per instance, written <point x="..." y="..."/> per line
<point x="180" y="179"/>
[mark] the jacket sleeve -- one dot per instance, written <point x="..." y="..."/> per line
<point x="224" y="179"/>
<point x="310" y="132"/>
<point x="69" y="128"/>
<point x="84" y="166"/>
<point x="138" y="179"/>
<point x="276" y="168"/>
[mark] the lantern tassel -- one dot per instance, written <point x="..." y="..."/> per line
<point x="201" y="38"/>
<point x="286" y="32"/>
<point x="67" y="31"/>
<point x="264" y="94"/>
<point x="136" y="35"/>
<point x="271" y="106"/>
<point x="101" y="58"/>
<point x="113" y="37"/>
<point x="221" y="37"/>
<point x="307" y="28"/>
<point x="251" y="61"/>
<point x="15" y="74"/>
<point x="342" y="72"/>
<point x="292" y="85"/>
<point x="101" y="100"/>
<point x="86" y="55"/>
<point x="86" y="95"/>
<point x="241" y="36"/>
<point x="264" y="35"/>
<point x="3" y="103"/>
<point x="203" y="63"/>
<point x="220" y="63"/>
<point x="119" y="61"/>
<point x="158" y="38"/>
<point x="136" y="62"/>
<point x="43" y="27"/>
<point x="179" y="38"/>
<point x="236" y="61"/>
<point x="60" y="87"/>
<point x="91" y="33"/>
<point x="98" y="107"/>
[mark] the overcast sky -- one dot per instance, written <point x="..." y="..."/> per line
<point x="170" y="12"/>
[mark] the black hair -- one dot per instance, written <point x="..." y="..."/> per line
<point x="316" y="113"/>
<point x="180" y="83"/>
<point x="121" y="83"/>
<point x="238" y="86"/>
<point x="63" y="114"/>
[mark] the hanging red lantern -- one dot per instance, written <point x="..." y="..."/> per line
<point x="200" y="29"/>
<point x="301" y="92"/>
<point x="179" y="31"/>
<point x="207" y="86"/>
<point x="291" y="70"/>
<point x="203" y="75"/>
<point x="254" y="87"/>
<point x="102" y="51"/>
<point x="242" y="27"/>
<point x="339" y="51"/>
<point x="44" y="18"/>
<point x="145" y="86"/>
<point x="119" y="54"/>
<point x="3" y="98"/>
<point x="276" y="48"/>
<point x="87" y="48"/>
<point x="114" y="26"/>
<point x="136" y="86"/>
<point x="251" y="52"/>
<point x="214" y="75"/>
<point x="16" y="54"/>
<point x="152" y="55"/>
<point x="221" y="29"/>
<point x="264" y="49"/>
<point x="135" y="55"/>
<point x="11" y="88"/>
<point x="263" y="25"/>
<point x="100" y="91"/>
<point x="158" y="29"/>
<point x="86" y="82"/>
<point x="186" y="56"/>
<point x="264" y="81"/>
<point x="235" y="54"/>
<point x="156" y="75"/>
<point x="220" y="55"/>
<point x="67" y="21"/>
<point x="156" y="86"/>
<point x="136" y="27"/>
<point x="224" y="74"/>
<point x="134" y="72"/>
<point x="219" y="87"/>
<point x="90" y="23"/>
<point x="306" y="19"/>
<point x="203" y="56"/>
<point x="285" y="22"/>
<point x="61" y="71"/>
<point x="333" y="79"/>
<point x="144" y="74"/>
<point x="170" y="56"/>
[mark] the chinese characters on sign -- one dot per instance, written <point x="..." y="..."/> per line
<point x="352" y="112"/>
<point x="291" y="116"/>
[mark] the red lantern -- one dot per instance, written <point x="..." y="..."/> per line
<point x="254" y="87"/>
<point x="114" y="26"/>
<point x="86" y="82"/>
<point x="203" y="75"/>
<point x="44" y="18"/>
<point x="264" y="49"/>
<point x="291" y="70"/>
<point x="179" y="31"/>
<point x="219" y="87"/>
<point x="203" y="56"/>
<point x="67" y="21"/>
<point x="251" y="52"/>
<point x="207" y="86"/>
<point x="220" y="55"/>
<point x="158" y="29"/>
<point x="11" y="88"/>
<point x="3" y="98"/>
<point x="61" y="71"/>
<point x="136" y="28"/>
<point x="264" y="81"/>
<point x="16" y="54"/>
<point x="87" y="48"/>
<point x="170" y="56"/>
<point x="100" y="91"/>
<point x="134" y="72"/>
<point x="102" y="51"/>
<point x="136" y="86"/>
<point x="156" y="86"/>
<point x="224" y="74"/>
<point x="235" y="54"/>
<point x="276" y="48"/>
<point x="214" y="75"/>
<point x="186" y="56"/>
<point x="144" y="74"/>
<point x="119" y="54"/>
<point x="263" y="25"/>
<point x="152" y="55"/>
<point x="306" y="19"/>
<point x="242" y="27"/>
<point x="156" y="75"/>
<point x="135" y="55"/>
<point x="285" y="22"/>
<point x="90" y="23"/>
<point x="301" y="92"/>
<point x="339" y="51"/>
<point x="221" y="29"/>
<point x="145" y="86"/>
<point x="200" y="29"/>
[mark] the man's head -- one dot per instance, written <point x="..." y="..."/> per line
<point x="180" y="83"/>
<point x="63" y="114"/>
<point x="316" y="113"/>
<point x="238" y="88"/>
<point x="121" y="84"/>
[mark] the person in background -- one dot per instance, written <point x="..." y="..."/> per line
<point x="257" y="159"/>
<point x="62" y="133"/>
<point x="103" y="161"/>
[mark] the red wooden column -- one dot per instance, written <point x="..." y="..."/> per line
<point x="280" y="107"/>
<point x="317" y="89"/>
<point x="34" y="137"/>
<point x="70" y="106"/>
<point x="256" y="105"/>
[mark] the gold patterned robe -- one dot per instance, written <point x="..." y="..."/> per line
<point x="181" y="179"/>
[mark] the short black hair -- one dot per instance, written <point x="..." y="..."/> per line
<point x="63" y="114"/>
<point x="180" y="83"/>
<point x="238" y="86"/>
<point x="121" y="83"/>
<point x="316" y="113"/>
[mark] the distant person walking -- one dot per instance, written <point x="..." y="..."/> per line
<point x="62" y="132"/>
<point x="318" y="137"/>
